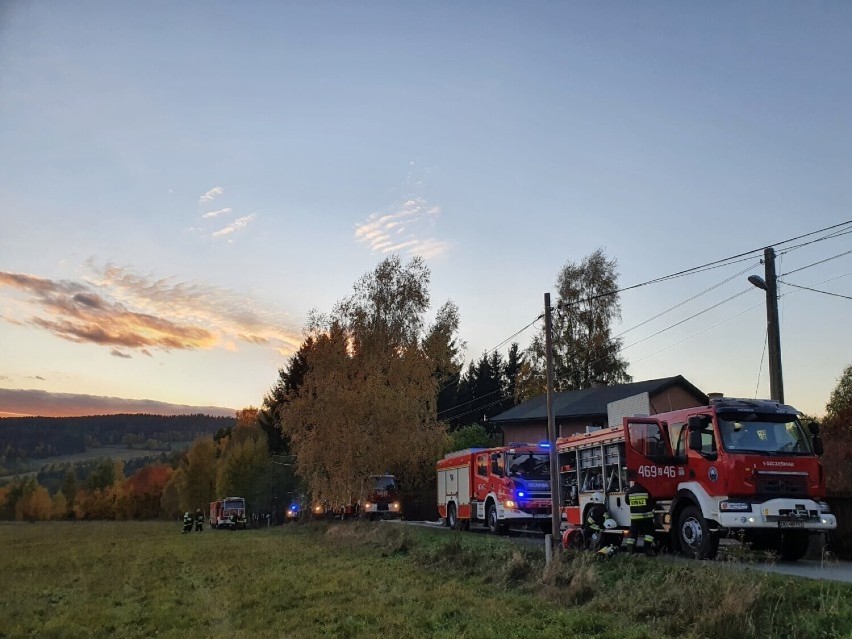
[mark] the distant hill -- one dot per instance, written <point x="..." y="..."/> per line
<point x="41" y="437"/>
<point x="20" y="402"/>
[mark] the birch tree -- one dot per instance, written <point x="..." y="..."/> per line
<point x="367" y="403"/>
<point x="584" y="348"/>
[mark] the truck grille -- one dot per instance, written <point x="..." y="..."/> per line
<point x="781" y="485"/>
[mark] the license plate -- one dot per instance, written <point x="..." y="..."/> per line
<point x="791" y="524"/>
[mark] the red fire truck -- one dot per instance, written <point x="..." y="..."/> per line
<point x="228" y="513"/>
<point x="381" y="499"/>
<point x="499" y="487"/>
<point x="738" y="466"/>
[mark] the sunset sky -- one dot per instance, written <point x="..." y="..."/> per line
<point x="181" y="183"/>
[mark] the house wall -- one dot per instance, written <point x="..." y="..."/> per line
<point x="537" y="431"/>
<point x="674" y="398"/>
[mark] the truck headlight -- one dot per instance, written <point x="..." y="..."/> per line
<point x="395" y="505"/>
<point x="509" y="504"/>
<point x="734" y="506"/>
<point x="366" y="505"/>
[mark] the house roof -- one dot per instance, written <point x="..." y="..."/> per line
<point x="590" y="402"/>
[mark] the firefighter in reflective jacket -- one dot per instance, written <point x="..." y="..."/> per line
<point x="641" y="517"/>
<point x="595" y="517"/>
<point x="199" y="520"/>
<point x="187" y="522"/>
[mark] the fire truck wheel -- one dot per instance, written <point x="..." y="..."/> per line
<point x="494" y="526"/>
<point x="694" y="536"/>
<point x="794" y="545"/>
<point x="452" y="519"/>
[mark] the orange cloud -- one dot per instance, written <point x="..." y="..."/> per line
<point x="123" y="310"/>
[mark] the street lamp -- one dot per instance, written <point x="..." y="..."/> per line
<point x="770" y="285"/>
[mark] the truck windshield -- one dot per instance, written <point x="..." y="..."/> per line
<point x="529" y="465"/>
<point x="766" y="434"/>
<point x="385" y="483"/>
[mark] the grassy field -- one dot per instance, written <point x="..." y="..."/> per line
<point x="145" y="579"/>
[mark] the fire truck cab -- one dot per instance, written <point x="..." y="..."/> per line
<point x="382" y="498"/>
<point x="738" y="466"/>
<point x="498" y="487"/>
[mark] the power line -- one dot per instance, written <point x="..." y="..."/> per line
<point x="807" y="288"/>
<point x="732" y="317"/>
<point x="456" y="376"/>
<point x="700" y="332"/>
<point x="686" y="301"/>
<point x="831" y="236"/>
<point x="762" y="355"/>
<point x="683" y="321"/>
<point x="828" y="259"/>
<point x="727" y="261"/>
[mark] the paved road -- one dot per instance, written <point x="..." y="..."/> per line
<point x="811" y="569"/>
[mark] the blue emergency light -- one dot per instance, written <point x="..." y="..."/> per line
<point x="544" y="444"/>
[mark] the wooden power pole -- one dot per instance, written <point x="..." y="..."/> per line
<point x="555" y="499"/>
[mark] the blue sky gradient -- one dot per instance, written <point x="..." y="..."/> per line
<point x="498" y="140"/>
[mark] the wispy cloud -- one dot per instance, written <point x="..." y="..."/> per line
<point x="124" y="311"/>
<point x="117" y="353"/>
<point x="22" y="402"/>
<point x="211" y="195"/>
<point x="216" y="213"/>
<point x="403" y="228"/>
<point x="237" y="224"/>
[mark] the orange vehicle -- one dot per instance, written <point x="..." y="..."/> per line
<point x="498" y="487"/>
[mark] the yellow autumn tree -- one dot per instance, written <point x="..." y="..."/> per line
<point x="367" y="404"/>
<point x="35" y="505"/>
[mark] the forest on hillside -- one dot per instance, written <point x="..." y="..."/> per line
<point x="24" y="438"/>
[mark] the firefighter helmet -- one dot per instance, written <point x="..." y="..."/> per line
<point x="596" y="498"/>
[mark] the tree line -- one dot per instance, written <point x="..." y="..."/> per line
<point x="24" y="438"/>
<point x="235" y="461"/>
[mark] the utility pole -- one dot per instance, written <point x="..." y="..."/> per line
<point x="555" y="498"/>
<point x="773" y="330"/>
<point x="776" y="381"/>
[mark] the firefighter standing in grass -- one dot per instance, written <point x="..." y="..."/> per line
<point x="187" y="522"/>
<point x="199" y="520"/>
<point x="641" y="517"/>
<point x="595" y="518"/>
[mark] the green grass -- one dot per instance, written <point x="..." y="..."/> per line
<point x="145" y="579"/>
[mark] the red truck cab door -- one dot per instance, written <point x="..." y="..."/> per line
<point x="650" y="460"/>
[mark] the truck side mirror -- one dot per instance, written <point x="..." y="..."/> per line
<point x="818" y="447"/>
<point x="814" y="428"/>
<point x="694" y="438"/>
<point x="694" y="424"/>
